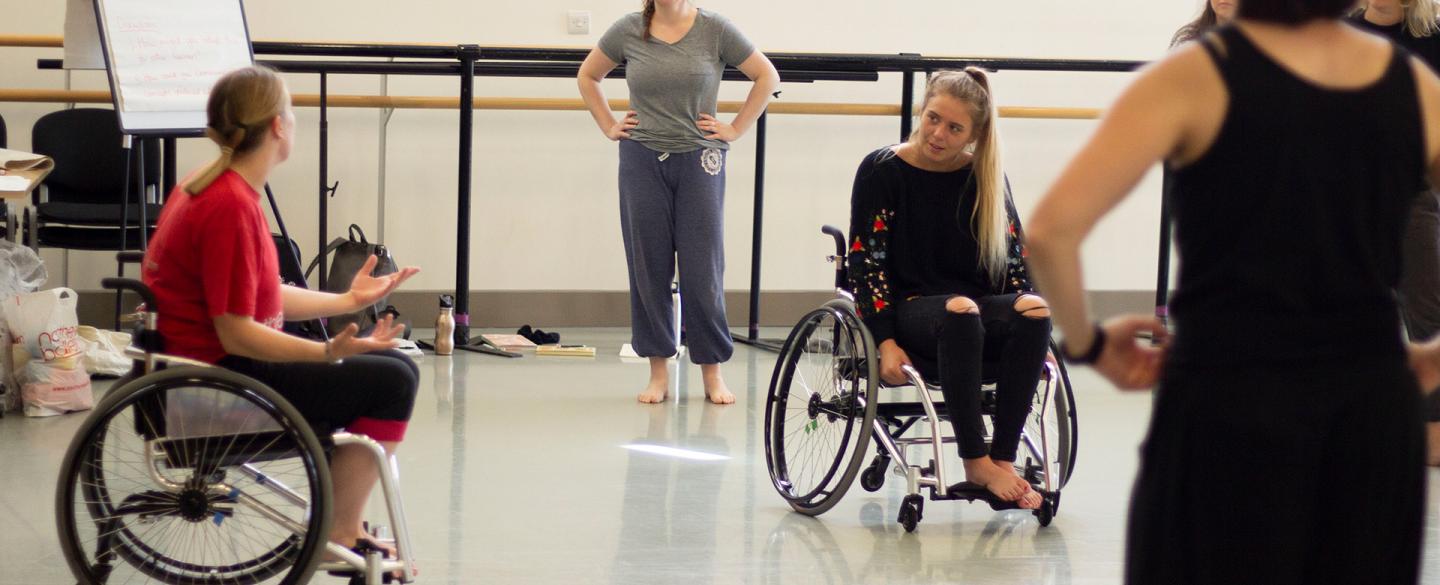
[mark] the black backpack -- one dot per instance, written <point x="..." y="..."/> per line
<point x="290" y="273"/>
<point x="346" y="256"/>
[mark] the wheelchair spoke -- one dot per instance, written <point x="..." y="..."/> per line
<point x="125" y="524"/>
<point x="814" y="407"/>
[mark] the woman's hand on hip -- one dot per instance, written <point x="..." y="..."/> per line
<point x="717" y="130"/>
<point x="1425" y="362"/>
<point x="1130" y="362"/>
<point x="621" y="130"/>
<point x="892" y="359"/>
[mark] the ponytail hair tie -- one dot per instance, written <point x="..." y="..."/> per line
<point x="220" y="164"/>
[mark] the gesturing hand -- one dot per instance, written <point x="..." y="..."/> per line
<point x="346" y="344"/>
<point x="366" y="290"/>
<point x="1128" y="362"/>
<point x="621" y="130"/>
<point x="717" y="130"/>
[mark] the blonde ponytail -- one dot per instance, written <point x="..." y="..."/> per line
<point x="242" y="105"/>
<point x="990" y="218"/>
<point x="216" y="167"/>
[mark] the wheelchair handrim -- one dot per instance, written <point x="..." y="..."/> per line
<point x="132" y="547"/>
<point x="840" y="473"/>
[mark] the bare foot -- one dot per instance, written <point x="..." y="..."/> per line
<point x="655" y="392"/>
<point x="715" y="389"/>
<point x="659" y="386"/>
<point x="1007" y="467"/>
<point x="1032" y="499"/>
<point x="350" y="538"/>
<point x="719" y="393"/>
<point x="983" y="472"/>
<point x="353" y="540"/>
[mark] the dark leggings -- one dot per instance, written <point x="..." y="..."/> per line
<point x="370" y="394"/>
<point x="957" y="346"/>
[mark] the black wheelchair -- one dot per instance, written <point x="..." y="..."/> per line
<point x="190" y="474"/>
<point x="823" y="407"/>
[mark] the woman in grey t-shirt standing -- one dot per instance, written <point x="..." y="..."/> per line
<point x="672" y="173"/>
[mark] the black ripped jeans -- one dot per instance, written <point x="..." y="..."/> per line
<point x="958" y="348"/>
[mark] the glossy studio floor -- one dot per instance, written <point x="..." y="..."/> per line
<point x="518" y="471"/>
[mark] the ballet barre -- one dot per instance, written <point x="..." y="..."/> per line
<point x="311" y="100"/>
<point x="469" y="61"/>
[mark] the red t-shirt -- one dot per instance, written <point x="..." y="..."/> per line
<point x="212" y="255"/>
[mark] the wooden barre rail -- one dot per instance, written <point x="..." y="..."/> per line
<point x="57" y="42"/>
<point x="35" y="41"/>
<point x="545" y="104"/>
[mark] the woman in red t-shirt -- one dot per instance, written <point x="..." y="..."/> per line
<point x="212" y="266"/>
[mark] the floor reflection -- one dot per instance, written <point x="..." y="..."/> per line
<point x="668" y="513"/>
<point x="1010" y="549"/>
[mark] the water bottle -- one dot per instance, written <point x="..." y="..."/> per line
<point x="445" y="326"/>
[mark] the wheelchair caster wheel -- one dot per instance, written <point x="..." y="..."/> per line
<point x="911" y="511"/>
<point x="1046" y="513"/>
<point x="873" y="478"/>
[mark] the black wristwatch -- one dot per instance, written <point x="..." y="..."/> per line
<point x="1097" y="345"/>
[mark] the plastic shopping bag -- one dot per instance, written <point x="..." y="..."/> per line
<point x="57" y="387"/>
<point x="43" y="327"/>
<point x="21" y="270"/>
<point x="105" y="351"/>
<point x="45" y="324"/>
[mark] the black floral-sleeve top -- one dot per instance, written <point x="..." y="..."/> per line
<point x="884" y="186"/>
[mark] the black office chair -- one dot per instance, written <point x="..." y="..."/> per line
<point x="79" y="206"/>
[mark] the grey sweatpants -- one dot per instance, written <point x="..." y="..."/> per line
<point x="672" y="210"/>
<point x="1420" y="281"/>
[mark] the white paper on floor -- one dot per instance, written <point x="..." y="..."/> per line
<point x="628" y="351"/>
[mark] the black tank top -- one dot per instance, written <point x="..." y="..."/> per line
<point x="1289" y="227"/>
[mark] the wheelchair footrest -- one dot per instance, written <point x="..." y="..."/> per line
<point x="971" y="492"/>
<point x="364" y="548"/>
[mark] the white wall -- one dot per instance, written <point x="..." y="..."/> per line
<point x="545" y="206"/>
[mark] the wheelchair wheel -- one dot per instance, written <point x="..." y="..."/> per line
<point x="190" y="476"/>
<point x="1051" y="433"/>
<point x="820" y="408"/>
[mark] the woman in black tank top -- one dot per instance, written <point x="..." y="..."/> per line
<point x="1285" y="445"/>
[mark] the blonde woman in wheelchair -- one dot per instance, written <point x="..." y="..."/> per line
<point x="213" y="269"/>
<point x="937" y="268"/>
